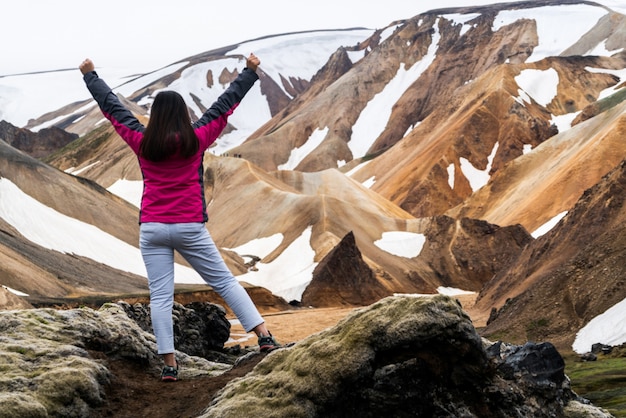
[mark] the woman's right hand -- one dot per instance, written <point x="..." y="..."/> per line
<point x="86" y="66"/>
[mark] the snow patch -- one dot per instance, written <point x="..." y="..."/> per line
<point x="15" y="292"/>
<point x="564" y="122"/>
<point x="446" y="291"/>
<point x="478" y="178"/>
<point x="607" y="328"/>
<point x="369" y="183"/>
<point x="401" y="243"/>
<point x="554" y="37"/>
<point x="356" y="56"/>
<point x="451" y="291"/>
<point x="260" y="247"/>
<point x="129" y="190"/>
<point x="298" y="55"/>
<point x="299" y="154"/>
<point x="388" y="32"/>
<point x="28" y="96"/>
<point x="357" y="168"/>
<point x="374" y="117"/>
<point x="538" y="84"/>
<point x="618" y="73"/>
<point x="78" y="172"/>
<point x="527" y="148"/>
<point x="546" y="227"/>
<point x="602" y="51"/>
<point x="290" y="273"/>
<point x="451" y="176"/>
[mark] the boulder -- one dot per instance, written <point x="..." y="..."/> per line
<point x="54" y="362"/>
<point x="200" y="328"/>
<point x="404" y="356"/>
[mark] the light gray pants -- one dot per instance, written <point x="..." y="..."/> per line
<point x="192" y="240"/>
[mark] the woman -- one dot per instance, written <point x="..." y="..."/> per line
<point x="173" y="212"/>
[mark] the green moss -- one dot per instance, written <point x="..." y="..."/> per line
<point x="21" y="405"/>
<point x="26" y="352"/>
<point x="293" y="382"/>
<point x="603" y="382"/>
<point x="17" y="349"/>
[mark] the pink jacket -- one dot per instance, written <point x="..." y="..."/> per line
<point x="173" y="190"/>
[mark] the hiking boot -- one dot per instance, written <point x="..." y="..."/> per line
<point x="268" y="343"/>
<point x="169" y="374"/>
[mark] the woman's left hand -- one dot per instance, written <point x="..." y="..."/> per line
<point x="253" y="62"/>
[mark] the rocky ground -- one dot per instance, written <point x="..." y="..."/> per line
<point x="340" y="362"/>
<point x="134" y="389"/>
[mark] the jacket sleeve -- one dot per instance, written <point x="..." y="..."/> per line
<point x="124" y="122"/>
<point x="214" y="120"/>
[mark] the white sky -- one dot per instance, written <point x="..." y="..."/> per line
<point x="40" y="35"/>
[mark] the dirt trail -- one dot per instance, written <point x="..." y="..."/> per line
<point x="291" y="326"/>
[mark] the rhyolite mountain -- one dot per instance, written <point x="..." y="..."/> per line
<point x="470" y="127"/>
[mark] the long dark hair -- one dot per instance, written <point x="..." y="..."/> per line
<point x="169" y="131"/>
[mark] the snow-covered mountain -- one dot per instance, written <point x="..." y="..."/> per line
<point x="448" y="144"/>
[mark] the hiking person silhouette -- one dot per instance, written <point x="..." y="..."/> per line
<point x="170" y="151"/>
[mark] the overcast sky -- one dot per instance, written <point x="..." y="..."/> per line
<point x="40" y="35"/>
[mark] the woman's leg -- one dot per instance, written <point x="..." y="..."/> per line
<point x="196" y="245"/>
<point x="158" y="256"/>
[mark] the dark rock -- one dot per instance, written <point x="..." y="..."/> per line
<point x="540" y="362"/>
<point x="405" y="357"/>
<point x="200" y="328"/>
<point x="55" y="363"/>
<point x="598" y="348"/>
<point x="537" y="369"/>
